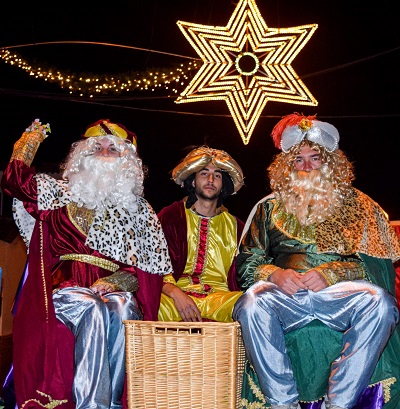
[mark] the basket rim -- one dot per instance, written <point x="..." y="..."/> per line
<point x="181" y="324"/>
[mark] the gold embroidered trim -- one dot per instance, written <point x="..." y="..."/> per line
<point x="26" y="147"/>
<point x="264" y="271"/>
<point x="256" y="390"/>
<point x="335" y="271"/>
<point x="252" y="405"/>
<point x="386" y="383"/>
<point x="199" y="292"/>
<point x="120" y="281"/>
<point x="290" y="226"/>
<point x="80" y="217"/>
<point x="95" y="261"/>
<point x="46" y="303"/>
<point x="51" y="405"/>
<point x="328" y="274"/>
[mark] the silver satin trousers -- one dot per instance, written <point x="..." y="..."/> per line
<point x="99" y="354"/>
<point x="364" y="312"/>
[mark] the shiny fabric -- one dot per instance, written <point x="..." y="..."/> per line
<point x="173" y="221"/>
<point x="365" y="313"/>
<point x="105" y="127"/>
<point x="199" y="158"/>
<point x="99" y="377"/>
<point x="203" y="255"/>
<point x="319" y="132"/>
<point x="360" y="226"/>
<point x="212" y="243"/>
<point x="315" y="346"/>
<point x="43" y="346"/>
<point x="216" y="306"/>
<point x="372" y="398"/>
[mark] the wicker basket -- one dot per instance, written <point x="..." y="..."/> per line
<point x="183" y="365"/>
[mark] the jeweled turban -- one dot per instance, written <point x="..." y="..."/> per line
<point x="294" y="128"/>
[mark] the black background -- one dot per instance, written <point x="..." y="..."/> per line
<point x="351" y="65"/>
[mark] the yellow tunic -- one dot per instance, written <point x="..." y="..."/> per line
<point x="212" y="244"/>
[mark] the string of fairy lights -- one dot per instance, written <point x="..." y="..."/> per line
<point x="170" y="79"/>
<point x="245" y="63"/>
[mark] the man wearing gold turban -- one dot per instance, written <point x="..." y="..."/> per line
<point x="97" y="255"/>
<point x="202" y="239"/>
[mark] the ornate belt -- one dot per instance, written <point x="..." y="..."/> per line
<point x="95" y="261"/>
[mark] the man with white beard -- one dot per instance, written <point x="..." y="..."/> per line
<point x="318" y="250"/>
<point x="97" y="256"/>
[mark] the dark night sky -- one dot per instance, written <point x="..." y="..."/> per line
<point x="351" y="65"/>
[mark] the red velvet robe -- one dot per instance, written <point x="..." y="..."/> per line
<point x="43" y="346"/>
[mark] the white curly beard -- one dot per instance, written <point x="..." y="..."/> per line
<point x="103" y="181"/>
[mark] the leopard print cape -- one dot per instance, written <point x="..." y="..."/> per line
<point x="132" y="238"/>
<point x="359" y="226"/>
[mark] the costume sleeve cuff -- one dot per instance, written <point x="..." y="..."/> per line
<point x="26" y="147"/>
<point x="336" y="271"/>
<point x="121" y="281"/>
<point x="264" y="271"/>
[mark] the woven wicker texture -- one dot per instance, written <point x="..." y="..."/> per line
<point x="183" y="365"/>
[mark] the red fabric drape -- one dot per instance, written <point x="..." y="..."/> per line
<point x="397" y="266"/>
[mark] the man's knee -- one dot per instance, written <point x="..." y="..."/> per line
<point x="256" y="297"/>
<point x="387" y="306"/>
<point x="124" y="305"/>
<point x="378" y="303"/>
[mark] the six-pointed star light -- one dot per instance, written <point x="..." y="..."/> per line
<point x="247" y="64"/>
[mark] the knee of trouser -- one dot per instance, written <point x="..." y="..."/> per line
<point x="253" y="299"/>
<point x="95" y="303"/>
<point x="124" y="304"/>
<point x="382" y="305"/>
<point x="387" y="306"/>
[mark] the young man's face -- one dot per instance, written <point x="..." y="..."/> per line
<point x="308" y="159"/>
<point x="208" y="182"/>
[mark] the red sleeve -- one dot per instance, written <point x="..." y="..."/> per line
<point x="397" y="282"/>
<point x="173" y="222"/>
<point x="18" y="181"/>
<point x="149" y="294"/>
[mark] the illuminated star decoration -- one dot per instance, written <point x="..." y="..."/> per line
<point x="247" y="64"/>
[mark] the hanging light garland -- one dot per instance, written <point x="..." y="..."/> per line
<point x="169" y="79"/>
<point x="247" y="64"/>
